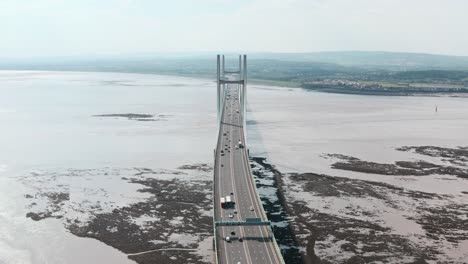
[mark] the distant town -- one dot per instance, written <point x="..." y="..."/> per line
<point x="371" y="73"/>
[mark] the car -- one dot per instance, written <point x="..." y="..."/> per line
<point x="233" y="233"/>
<point x="235" y="211"/>
<point x="228" y="239"/>
<point x="251" y="208"/>
<point x="232" y="193"/>
<point x="240" y="239"/>
<point x="231" y="215"/>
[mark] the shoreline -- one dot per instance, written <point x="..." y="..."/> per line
<point x="389" y="94"/>
<point x="280" y="84"/>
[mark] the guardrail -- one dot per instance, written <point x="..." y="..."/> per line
<point x="214" y="184"/>
<point x="243" y="223"/>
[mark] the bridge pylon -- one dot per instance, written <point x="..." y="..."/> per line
<point x="234" y="77"/>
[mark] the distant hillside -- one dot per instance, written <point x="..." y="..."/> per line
<point x="348" y="71"/>
<point x="398" y="61"/>
<point x="203" y="66"/>
<point x="370" y="60"/>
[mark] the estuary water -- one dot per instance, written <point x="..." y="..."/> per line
<point x="52" y="121"/>
<point x="48" y="123"/>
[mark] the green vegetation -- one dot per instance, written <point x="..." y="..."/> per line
<point x="344" y="72"/>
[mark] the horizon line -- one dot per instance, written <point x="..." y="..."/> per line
<point x="195" y="53"/>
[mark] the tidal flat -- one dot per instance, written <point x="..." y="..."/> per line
<point x="84" y="180"/>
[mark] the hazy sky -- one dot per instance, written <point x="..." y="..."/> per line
<point x="87" y="27"/>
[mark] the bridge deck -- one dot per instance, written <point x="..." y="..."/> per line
<point x="233" y="177"/>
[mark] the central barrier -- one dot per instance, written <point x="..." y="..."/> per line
<point x="243" y="223"/>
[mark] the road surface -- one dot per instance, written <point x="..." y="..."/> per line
<point x="233" y="177"/>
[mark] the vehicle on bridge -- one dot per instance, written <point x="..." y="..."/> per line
<point x="229" y="202"/>
<point x="226" y="202"/>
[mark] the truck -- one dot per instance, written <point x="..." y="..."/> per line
<point x="223" y="202"/>
<point x="229" y="202"/>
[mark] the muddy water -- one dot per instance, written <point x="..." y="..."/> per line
<point x="295" y="130"/>
<point x="53" y="138"/>
<point x="52" y="121"/>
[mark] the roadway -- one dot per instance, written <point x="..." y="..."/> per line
<point x="233" y="177"/>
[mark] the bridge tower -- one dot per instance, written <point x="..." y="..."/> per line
<point x="234" y="77"/>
